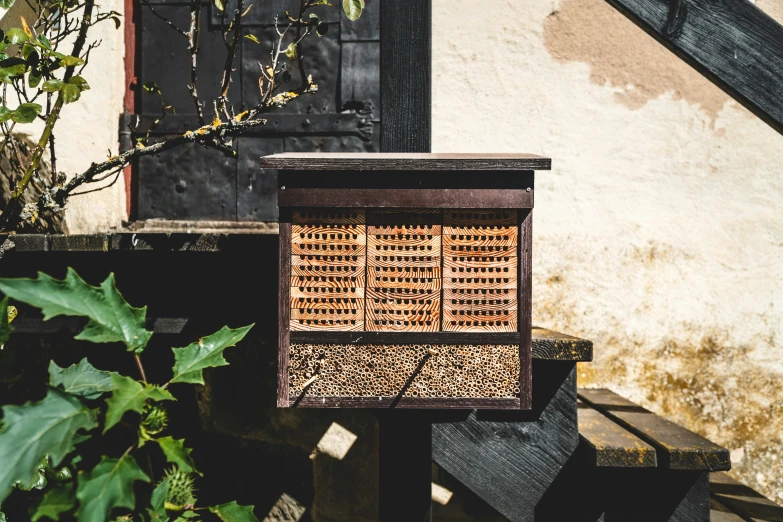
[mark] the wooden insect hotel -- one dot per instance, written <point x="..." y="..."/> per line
<point x="405" y="279"/>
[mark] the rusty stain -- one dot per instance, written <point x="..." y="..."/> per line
<point x="623" y="57"/>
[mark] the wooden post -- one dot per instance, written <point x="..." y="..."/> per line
<point x="405" y="437"/>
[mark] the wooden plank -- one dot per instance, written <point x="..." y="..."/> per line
<point x="346" y="271"/>
<point x="525" y="307"/>
<point x="283" y="300"/>
<point x="555" y="346"/>
<point x="322" y="217"/>
<point x="404" y="161"/>
<point x="405" y="198"/>
<point x="610" y="445"/>
<point x="734" y="44"/>
<point x="720" y="513"/>
<point x="403" y="244"/>
<point x="677" y="447"/>
<point x="501" y="266"/>
<point x="743" y="500"/>
<point x="457" y="301"/>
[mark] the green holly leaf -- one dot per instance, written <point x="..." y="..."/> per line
<point x="80" y="379"/>
<point x="130" y="395"/>
<point x="109" y="485"/>
<point x="55" y="502"/>
<point x="111" y="318"/>
<point x="16" y="35"/>
<point x="70" y="93"/>
<point x="233" y="512"/>
<point x="5" y="327"/>
<point x="157" y="509"/>
<point x="206" y="353"/>
<point x="52" y="85"/>
<point x="5" y="113"/>
<point x="353" y="9"/>
<point x="34" y="430"/>
<point x="26" y="113"/>
<point x="176" y="453"/>
<point x="6" y="4"/>
<point x="185" y="516"/>
<point x="71" y="61"/>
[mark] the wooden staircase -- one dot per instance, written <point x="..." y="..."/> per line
<point x="584" y="456"/>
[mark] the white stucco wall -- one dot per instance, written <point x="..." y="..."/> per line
<point x="88" y="129"/>
<point x="659" y="231"/>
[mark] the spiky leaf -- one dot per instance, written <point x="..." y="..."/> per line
<point x="176" y="453"/>
<point x="130" y="395"/>
<point x="111" y="318"/>
<point x="5" y="327"/>
<point x="55" y="502"/>
<point x="206" y="353"/>
<point x="80" y="379"/>
<point x="233" y="512"/>
<point x="353" y="9"/>
<point x="31" y="431"/>
<point x="109" y="485"/>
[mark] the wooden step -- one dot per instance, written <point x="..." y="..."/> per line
<point x="676" y="447"/>
<point x="610" y="445"/>
<point x="741" y="500"/>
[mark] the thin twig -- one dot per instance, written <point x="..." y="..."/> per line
<point x="193" y="38"/>
<point x="140" y="367"/>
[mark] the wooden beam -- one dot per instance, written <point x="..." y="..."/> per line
<point x="733" y="43"/>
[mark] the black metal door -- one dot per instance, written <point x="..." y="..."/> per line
<point x="195" y="183"/>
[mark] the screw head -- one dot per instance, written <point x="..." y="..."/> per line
<point x="282" y="188"/>
<point x="528" y="189"/>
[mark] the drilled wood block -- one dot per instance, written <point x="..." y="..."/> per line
<point x="453" y="371"/>
<point x="328" y="268"/>
<point x="404" y="270"/>
<point x="479" y="320"/>
<point x="478" y="217"/>
<point x="402" y="320"/>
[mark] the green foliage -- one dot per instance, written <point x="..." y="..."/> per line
<point x="6" y="4"/>
<point x="206" y="353"/>
<point x="35" y="430"/>
<point x="353" y="9"/>
<point x="110" y="317"/>
<point x="55" y="502"/>
<point x="40" y="442"/>
<point x="233" y="512"/>
<point x="15" y="35"/>
<point x="109" y="485"/>
<point x="130" y="395"/>
<point x="5" y="326"/>
<point x="176" y="453"/>
<point x="81" y="379"/>
<point x="26" y="113"/>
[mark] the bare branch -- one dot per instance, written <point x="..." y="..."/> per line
<point x="193" y="38"/>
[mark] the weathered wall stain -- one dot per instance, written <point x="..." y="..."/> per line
<point x="697" y="377"/>
<point x="623" y="57"/>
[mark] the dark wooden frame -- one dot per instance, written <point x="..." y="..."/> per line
<point x="331" y="181"/>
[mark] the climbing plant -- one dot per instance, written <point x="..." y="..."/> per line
<point x="43" y="443"/>
<point x="44" y="65"/>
